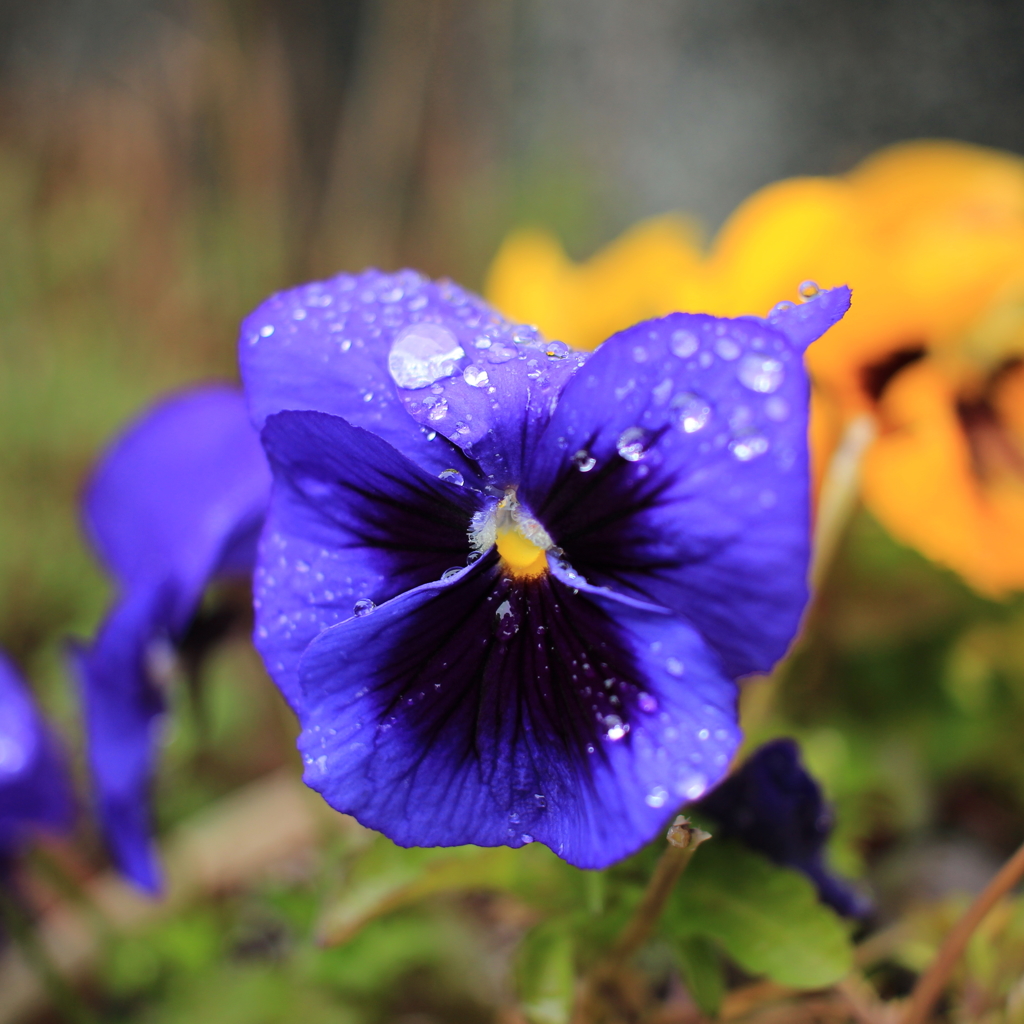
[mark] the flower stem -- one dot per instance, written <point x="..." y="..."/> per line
<point x="930" y="985"/>
<point x="683" y="840"/>
<point x="606" y="993"/>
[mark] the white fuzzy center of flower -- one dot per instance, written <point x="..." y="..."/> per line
<point x="521" y="541"/>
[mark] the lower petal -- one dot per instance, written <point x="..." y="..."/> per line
<point x="486" y="711"/>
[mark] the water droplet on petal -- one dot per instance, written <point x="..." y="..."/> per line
<point x="616" y="727"/>
<point x="363" y="607"/>
<point x="439" y="411"/>
<point x="780" y="307"/>
<point x="656" y="797"/>
<point x="776" y="409"/>
<point x="475" y="377"/>
<point x="748" y="448"/>
<point x="647" y="703"/>
<point x="692" y="412"/>
<point x="499" y="353"/>
<point x="674" y="667"/>
<point x="584" y="461"/>
<point x="808" y="289"/>
<point x="451" y="476"/>
<point x="526" y="838"/>
<point x="556" y="350"/>
<point x="506" y="623"/>
<point x="632" y="444"/>
<point x="449" y="573"/>
<point x="727" y="348"/>
<point x="423" y="353"/>
<point x="266" y="331"/>
<point x="683" y="343"/>
<point x="761" y="374"/>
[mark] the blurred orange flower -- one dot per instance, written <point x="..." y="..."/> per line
<point x="930" y="235"/>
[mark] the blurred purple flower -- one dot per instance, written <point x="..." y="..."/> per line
<point x="34" y="788"/>
<point x="508" y="588"/>
<point x="772" y="805"/>
<point x="177" y="501"/>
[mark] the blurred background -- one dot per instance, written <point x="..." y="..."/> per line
<point x="165" y="165"/>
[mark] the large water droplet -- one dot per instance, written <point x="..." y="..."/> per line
<point x="451" y="476"/>
<point x="761" y="374"/>
<point x="616" y="727"/>
<point x="438" y="411"/>
<point x="475" y="377"/>
<point x="632" y="444"/>
<point x="584" y="461"/>
<point x="449" y="573"/>
<point x="556" y="350"/>
<point x="363" y="607"/>
<point x="683" y="343"/>
<point x="423" y="353"/>
<point x="808" y="289"/>
<point x="747" y="448"/>
<point x="692" y="412"/>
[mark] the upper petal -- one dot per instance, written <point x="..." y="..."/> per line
<point x="487" y="711"/>
<point x="181" y="491"/>
<point x="325" y="347"/>
<point x="675" y="468"/>
<point x="34" y="785"/>
<point x="351" y="520"/>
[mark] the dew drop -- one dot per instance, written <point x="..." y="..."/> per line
<point x="423" y="353"/>
<point x="584" y="461"/>
<point x="780" y="307"/>
<point x="499" y="353"/>
<point x="692" y="412"/>
<point x="639" y="354"/>
<point x="439" y="411"/>
<point x="646" y="702"/>
<point x="616" y="727"/>
<point x="475" y="377"/>
<point x="506" y="624"/>
<point x="683" y="343"/>
<point x="266" y="331"/>
<point x="526" y="838"/>
<point x="449" y="573"/>
<point x="656" y="797"/>
<point x="776" y="409"/>
<point x="556" y="350"/>
<point x="363" y="607"/>
<point x="632" y="444"/>
<point x="451" y="476"/>
<point x="748" y="448"/>
<point x="727" y="348"/>
<point x="808" y="289"/>
<point x="674" y="667"/>
<point x="760" y="373"/>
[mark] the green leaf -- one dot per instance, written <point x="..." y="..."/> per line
<point x="545" y="973"/>
<point x="388" y="877"/>
<point x="767" y="918"/>
<point x="702" y="971"/>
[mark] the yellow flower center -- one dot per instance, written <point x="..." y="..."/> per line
<point x="522" y="558"/>
<point x="521" y="541"/>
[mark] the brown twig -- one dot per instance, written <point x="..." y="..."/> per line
<point x="930" y="985"/>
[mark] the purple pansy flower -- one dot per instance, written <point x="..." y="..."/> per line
<point x="34" y="787"/>
<point x="177" y="501"/>
<point x="772" y="805"/>
<point x="506" y="587"/>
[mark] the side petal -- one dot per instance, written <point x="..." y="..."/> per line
<point x="34" y="787"/>
<point x="775" y="807"/>
<point x="182" y="488"/>
<point x="351" y="520"/>
<point x="675" y="469"/>
<point x="487" y="711"/>
<point x="122" y="706"/>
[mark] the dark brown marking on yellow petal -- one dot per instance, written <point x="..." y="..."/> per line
<point x="876" y="377"/>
